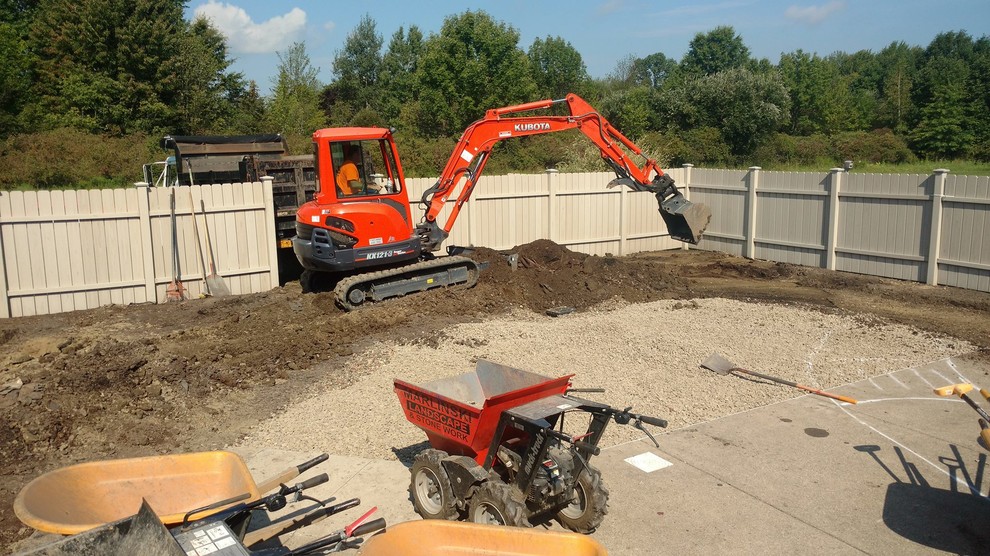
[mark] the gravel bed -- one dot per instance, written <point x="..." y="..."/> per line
<point x="646" y="355"/>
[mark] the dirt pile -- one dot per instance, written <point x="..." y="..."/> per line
<point x="548" y="275"/>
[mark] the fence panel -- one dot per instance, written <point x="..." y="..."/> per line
<point x="964" y="254"/>
<point x="71" y="250"/>
<point x="882" y="219"/>
<point x="724" y="191"/>
<point x="930" y="229"/>
<point x="793" y="214"/>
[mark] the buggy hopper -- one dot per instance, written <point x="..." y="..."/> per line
<point x="500" y="452"/>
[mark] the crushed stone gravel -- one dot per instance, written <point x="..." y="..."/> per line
<point x="645" y="355"/>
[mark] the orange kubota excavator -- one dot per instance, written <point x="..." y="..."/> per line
<point x="360" y="225"/>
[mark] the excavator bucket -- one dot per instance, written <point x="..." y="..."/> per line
<point x="685" y="221"/>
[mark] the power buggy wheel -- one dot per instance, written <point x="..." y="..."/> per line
<point x="589" y="504"/>
<point x="497" y="503"/>
<point x="430" y="488"/>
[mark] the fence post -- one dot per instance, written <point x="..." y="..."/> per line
<point x="623" y="221"/>
<point x="935" y="240"/>
<point x="751" y="186"/>
<point x="147" y="243"/>
<point x="4" y="299"/>
<point x="685" y="189"/>
<point x="831" y="241"/>
<point x="266" y="186"/>
<point x="472" y="223"/>
<point x="552" y="177"/>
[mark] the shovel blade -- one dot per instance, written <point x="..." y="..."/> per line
<point x="719" y="364"/>
<point x="217" y="285"/>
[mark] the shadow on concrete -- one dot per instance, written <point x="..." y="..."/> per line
<point x="407" y="454"/>
<point x="956" y="520"/>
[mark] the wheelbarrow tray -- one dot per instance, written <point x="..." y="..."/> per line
<point x="80" y="497"/>
<point x="450" y="538"/>
<point x="460" y="413"/>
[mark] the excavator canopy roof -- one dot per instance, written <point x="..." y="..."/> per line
<point x="355" y="133"/>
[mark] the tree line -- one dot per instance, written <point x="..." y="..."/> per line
<point x="99" y="81"/>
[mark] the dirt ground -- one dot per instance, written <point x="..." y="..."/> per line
<point x="145" y="379"/>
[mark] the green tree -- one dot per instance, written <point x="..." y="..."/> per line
<point x="653" y="70"/>
<point x="557" y="67"/>
<point x="15" y="78"/>
<point x="398" y="73"/>
<point x="120" y="66"/>
<point x="745" y="107"/>
<point x="980" y="88"/>
<point x="103" y="65"/>
<point x="894" y="94"/>
<point x="356" y="69"/>
<point x="944" y="121"/>
<point x="717" y="50"/>
<point x="943" y="130"/>
<point x="295" y="104"/>
<point x="207" y="96"/>
<point x="472" y="65"/>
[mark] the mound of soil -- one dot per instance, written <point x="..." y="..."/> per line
<point x="123" y="381"/>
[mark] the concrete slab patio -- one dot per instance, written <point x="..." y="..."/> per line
<point x="898" y="473"/>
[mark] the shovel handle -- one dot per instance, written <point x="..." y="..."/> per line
<point x="290" y="473"/>
<point x="796" y="385"/>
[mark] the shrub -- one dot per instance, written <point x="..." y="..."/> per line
<point x="880" y="145"/>
<point x="73" y="158"/>
<point x="703" y="146"/>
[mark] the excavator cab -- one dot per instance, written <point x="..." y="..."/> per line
<point x="360" y="215"/>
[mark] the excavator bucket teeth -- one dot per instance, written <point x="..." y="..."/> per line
<point x="686" y="221"/>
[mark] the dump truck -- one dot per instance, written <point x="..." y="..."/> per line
<point x="212" y="159"/>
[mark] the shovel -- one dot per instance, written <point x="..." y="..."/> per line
<point x="723" y="366"/>
<point x="175" y="291"/>
<point x="214" y="282"/>
<point x="199" y="244"/>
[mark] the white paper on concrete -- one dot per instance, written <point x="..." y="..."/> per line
<point x="648" y="462"/>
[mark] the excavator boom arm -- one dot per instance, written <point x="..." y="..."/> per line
<point x="685" y="220"/>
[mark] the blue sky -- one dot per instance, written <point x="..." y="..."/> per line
<point x="603" y="31"/>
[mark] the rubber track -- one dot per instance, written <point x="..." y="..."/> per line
<point x="401" y="273"/>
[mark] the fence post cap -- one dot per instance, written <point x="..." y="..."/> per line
<point x="687" y="165"/>
<point x="833" y="170"/>
<point x="141" y="184"/>
<point x="552" y="171"/>
<point x="941" y="171"/>
<point x="755" y="168"/>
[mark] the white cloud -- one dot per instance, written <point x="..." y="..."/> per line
<point x="329" y="26"/>
<point x="244" y="36"/>
<point x="609" y="6"/>
<point x="813" y="15"/>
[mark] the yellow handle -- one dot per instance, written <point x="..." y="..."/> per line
<point x="846" y="399"/>
<point x="985" y="435"/>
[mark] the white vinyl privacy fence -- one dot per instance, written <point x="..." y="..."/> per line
<point x="69" y="250"/>
<point x="933" y="229"/>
